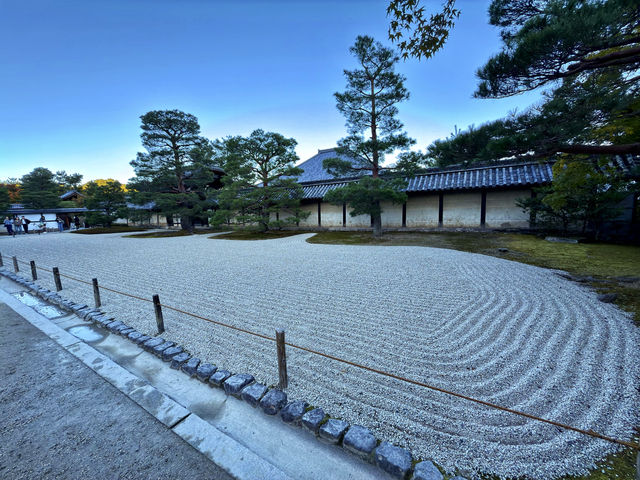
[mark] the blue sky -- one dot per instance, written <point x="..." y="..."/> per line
<point x="77" y="75"/>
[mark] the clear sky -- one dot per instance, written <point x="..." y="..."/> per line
<point x="75" y="76"/>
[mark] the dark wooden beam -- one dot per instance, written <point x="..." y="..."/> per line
<point x="440" y="208"/>
<point x="483" y="209"/>
<point x="319" y="213"/>
<point x="344" y="214"/>
<point x="404" y="214"/>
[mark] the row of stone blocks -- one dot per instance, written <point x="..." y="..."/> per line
<point x="356" y="439"/>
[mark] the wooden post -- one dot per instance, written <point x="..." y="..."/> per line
<point x="56" y="279"/>
<point x="158" y="309"/>
<point x="1" y="262"/>
<point x="15" y="264"/>
<point x="34" y="273"/>
<point x="638" y="466"/>
<point x="96" y="292"/>
<point x="282" y="359"/>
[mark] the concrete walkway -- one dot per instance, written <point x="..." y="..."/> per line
<point x="61" y="420"/>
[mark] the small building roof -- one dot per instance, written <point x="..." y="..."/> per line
<point x="18" y="209"/>
<point x="71" y="194"/>
<point x="314" y="171"/>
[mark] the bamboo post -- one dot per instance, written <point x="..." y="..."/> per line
<point x="34" y="272"/>
<point x="15" y="264"/>
<point x="56" y="279"/>
<point x="158" y="308"/>
<point x="282" y="360"/>
<point x="96" y="292"/>
<point x="1" y="262"/>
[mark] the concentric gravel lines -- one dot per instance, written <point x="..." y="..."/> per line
<point x="508" y="333"/>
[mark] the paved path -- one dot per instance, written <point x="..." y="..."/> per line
<point x="516" y="335"/>
<point x="62" y="421"/>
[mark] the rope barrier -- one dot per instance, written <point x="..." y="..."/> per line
<point x="590" y="433"/>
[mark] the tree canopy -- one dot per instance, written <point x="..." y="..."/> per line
<point x="416" y="33"/>
<point x="108" y="201"/>
<point x="4" y="198"/>
<point x="582" y="195"/>
<point x="369" y="106"/>
<point x="177" y="171"/>
<point x="588" y="53"/>
<point x="260" y="180"/>
<point x="39" y="189"/>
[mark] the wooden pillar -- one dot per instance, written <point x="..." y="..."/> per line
<point x="282" y="360"/>
<point x="34" y="273"/>
<point x="440" y="208"/>
<point x="344" y="215"/>
<point x="16" y="268"/>
<point x="319" y="213"/>
<point x="1" y="262"/>
<point x="56" y="279"/>
<point x="483" y="209"/>
<point x="96" y="293"/>
<point x="158" y="309"/>
<point x="404" y="214"/>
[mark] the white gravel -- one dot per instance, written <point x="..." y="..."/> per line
<point x="505" y="332"/>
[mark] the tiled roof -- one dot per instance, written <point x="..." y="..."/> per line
<point x="488" y="177"/>
<point x="313" y="169"/>
<point x="70" y="194"/>
<point x="483" y="177"/>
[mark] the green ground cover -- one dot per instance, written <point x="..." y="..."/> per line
<point x="112" y="229"/>
<point x="172" y="233"/>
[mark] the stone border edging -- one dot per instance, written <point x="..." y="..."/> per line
<point x="356" y="439"/>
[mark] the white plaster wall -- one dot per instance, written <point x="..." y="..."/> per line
<point x="422" y="211"/>
<point x="331" y="215"/>
<point x="312" y="219"/>
<point x="461" y="209"/>
<point x="358" y="221"/>
<point x="502" y="211"/>
<point x="391" y="215"/>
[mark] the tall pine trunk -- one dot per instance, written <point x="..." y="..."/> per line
<point x="377" y="222"/>
<point x="186" y="223"/>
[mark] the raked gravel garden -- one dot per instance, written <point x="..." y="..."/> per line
<point x="504" y="332"/>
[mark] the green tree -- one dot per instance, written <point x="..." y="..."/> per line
<point x="67" y="181"/>
<point x="416" y="34"/>
<point x="4" y="198"/>
<point x="583" y="196"/>
<point x="260" y="181"/>
<point x="369" y="105"/>
<point x="39" y="189"/>
<point x="107" y="201"/>
<point x="592" y="47"/>
<point x="175" y="172"/>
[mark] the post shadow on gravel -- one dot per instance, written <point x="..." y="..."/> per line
<point x="61" y="420"/>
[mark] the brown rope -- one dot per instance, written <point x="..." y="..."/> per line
<point x="590" y="433"/>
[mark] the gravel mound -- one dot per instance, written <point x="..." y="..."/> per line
<point x="501" y="331"/>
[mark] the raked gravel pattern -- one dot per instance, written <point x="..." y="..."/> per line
<point x="501" y="331"/>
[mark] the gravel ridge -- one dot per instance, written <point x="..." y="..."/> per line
<point x="501" y="331"/>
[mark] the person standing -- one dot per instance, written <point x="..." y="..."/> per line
<point x="25" y="224"/>
<point x="60" y="224"/>
<point x="8" y="224"/>
<point x="17" y="225"/>
<point x="76" y="222"/>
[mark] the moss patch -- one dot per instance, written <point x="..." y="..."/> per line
<point x="255" y="235"/>
<point x="172" y="233"/>
<point x="112" y="229"/>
